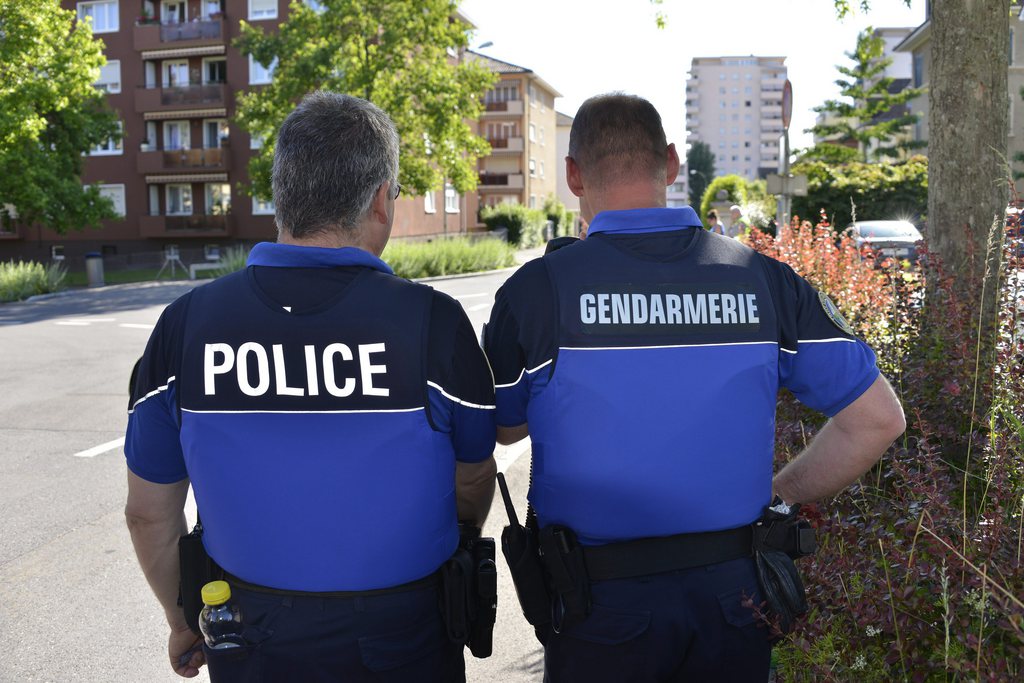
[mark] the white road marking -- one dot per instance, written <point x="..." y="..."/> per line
<point x="478" y="307"/>
<point x="137" y="326"/>
<point x="506" y="455"/>
<point x="102" y="448"/>
<point x="72" y="323"/>
<point x="471" y="296"/>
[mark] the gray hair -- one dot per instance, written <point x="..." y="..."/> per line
<point x="333" y="153"/>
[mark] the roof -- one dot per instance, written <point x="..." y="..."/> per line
<point x="916" y="38"/>
<point x="500" y="67"/>
<point x="563" y="119"/>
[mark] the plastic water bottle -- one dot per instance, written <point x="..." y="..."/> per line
<point x="220" y="621"/>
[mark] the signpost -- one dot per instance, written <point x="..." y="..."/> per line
<point x="786" y="185"/>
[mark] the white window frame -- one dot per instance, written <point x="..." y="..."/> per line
<point x="207" y="144"/>
<point x="208" y="199"/>
<point x="106" y="29"/>
<point x="110" y="87"/>
<point x="186" y="137"/>
<point x="451" y="199"/>
<point x="205" y="75"/>
<point x="542" y="169"/>
<point x="430" y="202"/>
<point x="533" y="168"/>
<point x="269" y="70"/>
<point x="263" y="14"/>
<point x="112" y="191"/>
<point x="114" y="146"/>
<point x="167" y="199"/>
<point x="165" y="72"/>
<point x="533" y="133"/>
<point x="163" y="15"/>
<point x="262" y="207"/>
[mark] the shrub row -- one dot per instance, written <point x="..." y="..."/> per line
<point x="20" y="280"/>
<point x="525" y="226"/>
<point x="447" y="257"/>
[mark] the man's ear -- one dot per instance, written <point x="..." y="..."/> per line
<point x="379" y="205"/>
<point x="573" y="176"/>
<point x="671" y="164"/>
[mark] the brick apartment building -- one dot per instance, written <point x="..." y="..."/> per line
<point x="176" y="176"/>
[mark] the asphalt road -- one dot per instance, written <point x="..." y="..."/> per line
<point x="74" y="605"/>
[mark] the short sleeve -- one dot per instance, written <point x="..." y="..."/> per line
<point x="508" y="362"/>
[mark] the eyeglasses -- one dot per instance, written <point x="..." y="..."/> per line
<point x="398" y="191"/>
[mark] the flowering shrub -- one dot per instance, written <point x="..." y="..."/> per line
<point x="919" y="572"/>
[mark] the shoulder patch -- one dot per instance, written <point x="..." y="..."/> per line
<point x="832" y="311"/>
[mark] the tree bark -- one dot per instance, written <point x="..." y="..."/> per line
<point x="967" y="142"/>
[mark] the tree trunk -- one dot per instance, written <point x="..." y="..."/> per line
<point x="967" y="143"/>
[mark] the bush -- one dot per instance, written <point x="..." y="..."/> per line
<point x="24" y="279"/>
<point x="879" y="191"/>
<point x="525" y="226"/>
<point x="562" y="218"/>
<point x="234" y="259"/>
<point x="735" y="187"/>
<point x="447" y="257"/>
<point x="919" y="571"/>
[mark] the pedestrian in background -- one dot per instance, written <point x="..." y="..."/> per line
<point x="616" y="355"/>
<point x="738" y="223"/>
<point x="714" y="225"/>
<point x="334" y="421"/>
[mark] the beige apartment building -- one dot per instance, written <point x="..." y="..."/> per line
<point x="734" y="104"/>
<point x="521" y="125"/>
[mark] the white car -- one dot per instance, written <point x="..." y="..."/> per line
<point x="896" y="239"/>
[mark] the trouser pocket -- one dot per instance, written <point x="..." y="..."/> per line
<point x="233" y="664"/>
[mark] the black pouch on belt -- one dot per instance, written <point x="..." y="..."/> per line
<point x="197" y="570"/>
<point x="469" y="594"/>
<point x="780" y="537"/>
<point x="563" y="557"/>
<point x="521" y="551"/>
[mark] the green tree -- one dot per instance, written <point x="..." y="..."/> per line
<point x="734" y="186"/>
<point x="871" y="117"/>
<point x="391" y="52"/>
<point x="700" y="162"/>
<point x="50" y="116"/>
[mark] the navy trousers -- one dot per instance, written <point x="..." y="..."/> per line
<point x="392" y="638"/>
<point x="688" y="625"/>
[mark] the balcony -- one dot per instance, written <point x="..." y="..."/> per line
<point x="180" y="97"/>
<point x="184" y="160"/>
<point x="506" y="145"/>
<point x="771" y="94"/>
<point x="506" y="108"/>
<point x="501" y="181"/>
<point x="196" y="225"/>
<point x="771" y="134"/>
<point x="771" y="110"/>
<point x="153" y="36"/>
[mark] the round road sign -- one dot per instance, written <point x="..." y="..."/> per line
<point x="787" y="104"/>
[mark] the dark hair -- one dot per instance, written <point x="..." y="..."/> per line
<point x="333" y="153"/>
<point x="712" y="214"/>
<point x="618" y="135"/>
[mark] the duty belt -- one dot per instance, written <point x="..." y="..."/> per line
<point x="428" y="581"/>
<point x="645" y="556"/>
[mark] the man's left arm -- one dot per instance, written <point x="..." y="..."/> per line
<point x="156" y="520"/>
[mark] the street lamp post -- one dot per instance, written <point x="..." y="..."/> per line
<point x="694" y="171"/>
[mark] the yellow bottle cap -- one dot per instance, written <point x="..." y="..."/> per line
<point x="216" y="593"/>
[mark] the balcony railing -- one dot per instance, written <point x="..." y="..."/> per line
<point x="506" y="145"/>
<point x="508" y="107"/>
<point x="215" y="159"/>
<point x="154" y="36"/>
<point x="195" y="225"/>
<point x="180" y="97"/>
<point x="492" y="181"/>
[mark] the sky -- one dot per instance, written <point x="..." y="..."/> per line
<point x="587" y="47"/>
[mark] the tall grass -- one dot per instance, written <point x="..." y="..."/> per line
<point x="20" y="280"/>
<point x="447" y="257"/>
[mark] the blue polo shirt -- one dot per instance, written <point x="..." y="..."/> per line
<point x="646" y="361"/>
<point x="318" y="405"/>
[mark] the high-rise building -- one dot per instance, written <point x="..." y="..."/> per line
<point x="734" y="104"/>
<point x="172" y="74"/>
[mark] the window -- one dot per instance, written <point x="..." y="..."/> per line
<point x="179" y="200"/>
<point x="211" y="7"/>
<point x="215" y="71"/>
<point x="735" y="91"/>
<point x="1011" y="47"/>
<point x="533" y="133"/>
<point x="218" y="199"/>
<point x="721" y="91"/>
<point x="116" y="194"/>
<point x="503" y="92"/>
<point x="215" y="133"/>
<point x="110" y="77"/>
<point x="103" y="15"/>
<point x="542" y="169"/>
<point x="918" y="70"/>
<point x="255" y="141"/>
<point x="429" y="203"/>
<point x="542" y="135"/>
<point x="259" y="74"/>
<point x="532" y="92"/>
<point x="533" y="168"/>
<point x="747" y="143"/>
<point x="262" y="9"/>
<point x="173" y="12"/>
<point x="533" y="201"/>
<point x="721" y="77"/>
<point x="177" y="135"/>
<point x="111" y="146"/>
<point x="57" y="252"/>
<point x="746" y="103"/>
<point x="451" y="199"/>
<point x="262" y="207"/>
<point x="175" y="73"/>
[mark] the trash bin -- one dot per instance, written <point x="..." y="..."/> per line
<point x="94" y="269"/>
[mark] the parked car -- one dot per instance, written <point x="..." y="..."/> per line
<point x="896" y="239"/>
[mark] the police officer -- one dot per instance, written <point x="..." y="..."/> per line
<point x="334" y="421"/>
<point x="616" y="355"/>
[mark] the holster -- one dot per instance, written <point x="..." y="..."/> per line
<point x="469" y="594"/>
<point x="562" y="556"/>
<point x="779" y="538"/>
<point x="197" y="569"/>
